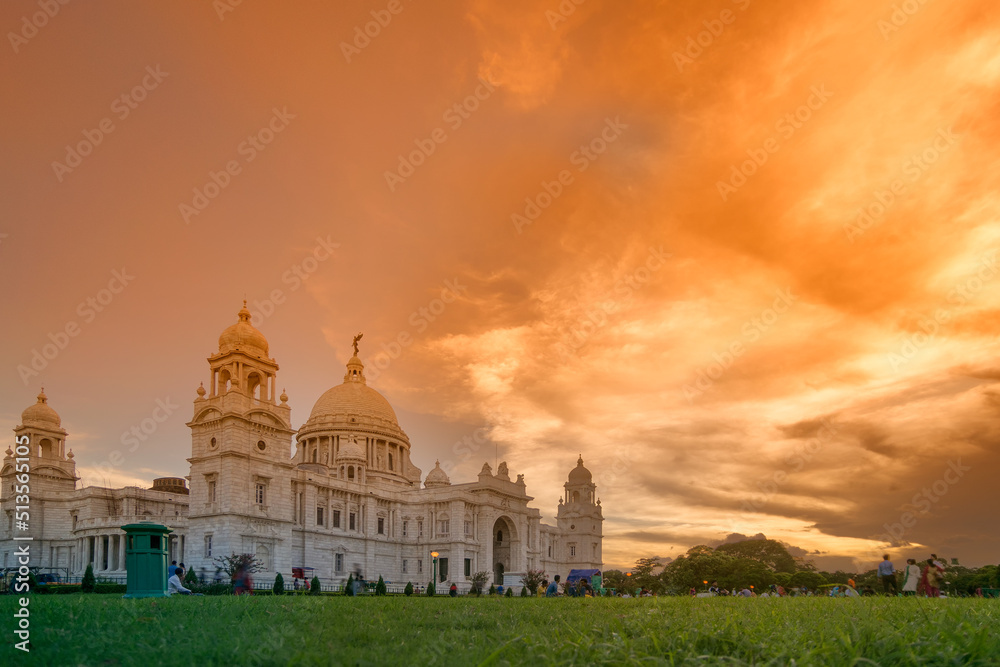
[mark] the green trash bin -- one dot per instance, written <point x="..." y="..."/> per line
<point x="146" y="559"/>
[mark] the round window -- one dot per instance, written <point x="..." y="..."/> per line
<point x="261" y="445"/>
<point x="572" y="526"/>
<point x="213" y="443"/>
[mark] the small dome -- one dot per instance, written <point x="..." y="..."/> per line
<point x="244" y="337"/>
<point x="351" y="450"/>
<point x="579" y="474"/>
<point x="41" y="413"/>
<point x="436" y="477"/>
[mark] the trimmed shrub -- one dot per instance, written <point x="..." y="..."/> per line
<point x="430" y="589"/>
<point x="190" y="577"/>
<point x="493" y="590"/>
<point x="88" y="583"/>
<point x="380" y="588"/>
<point x="314" y="587"/>
<point x="408" y="591"/>
<point x="349" y="586"/>
<point x="279" y="585"/>
<point x="213" y="589"/>
<point x="509" y="592"/>
<point x="110" y="588"/>
<point x="524" y="591"/>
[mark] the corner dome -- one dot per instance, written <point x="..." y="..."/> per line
<point x="243" y="337"/>
<point x="41" y="413"/>
<point x="436" y="477"/>
<point x="579" y="474"/>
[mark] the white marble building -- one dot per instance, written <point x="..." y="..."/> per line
<point x="349" y="499"/>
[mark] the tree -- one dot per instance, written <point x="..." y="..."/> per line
<point x="380" y="588"/>
<point x="349" y="586"/>
<point x="807" y="579"/>
<point x="702" y="564"/>
<point x="430" y="589"/>
<point x="279" y="585"/>
<point x="479" y="580"/>
<point x="408" y="591"/>
<point x="493" y="590"/>
<point x="314" y="587"/>
<point x="89" y="581"/>
<point x="643" y="574"/>
<point x="770" y="552"/>
<point x="532" y="579"/>
<point x="614" y="579"/>
<point x="235" y="562"/>
<point x="509" y="593"/>
<point x="191" y="577"/>
<point x="524" y="591"/>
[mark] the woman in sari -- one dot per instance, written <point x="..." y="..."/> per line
<point x="911" y="577"/>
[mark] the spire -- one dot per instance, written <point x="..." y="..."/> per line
<point x="355" y="369"/>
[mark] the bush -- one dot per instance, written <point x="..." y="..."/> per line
<point x="380" y="588"/>
<point x="110" y="588"/>
<point x="213" y="589"/>
<point x="493" y="590"/>
<point x="349" y="586"/>
<point x="88" y="583"/>
<point x="509" y="593"/>
<point x="314" y="587"/>
<point x="279" y="585"/>
<point x="430" y="589"/>
<point x="190" y="578"/>
<point x="408" y="591"/>
<point x="524" y="591"/>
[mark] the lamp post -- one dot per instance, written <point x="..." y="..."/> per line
<point x="434" y="555"/>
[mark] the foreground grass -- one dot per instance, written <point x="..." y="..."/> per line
<point x="107" y="630"/>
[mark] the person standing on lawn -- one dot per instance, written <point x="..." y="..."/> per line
<point x="887" y="573"/>
<point x="932" y="579"/>
<point x="911" y="577"/>
<point x="453" y="591"/>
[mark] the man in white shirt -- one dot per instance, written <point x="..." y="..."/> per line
<point x="174" y="584"/>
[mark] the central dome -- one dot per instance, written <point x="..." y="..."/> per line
<point x="353" y="398"/>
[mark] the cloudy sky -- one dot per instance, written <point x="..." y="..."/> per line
<point x="740" y="255"/>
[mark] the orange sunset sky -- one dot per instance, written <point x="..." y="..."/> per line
<point x="740" y="255"/>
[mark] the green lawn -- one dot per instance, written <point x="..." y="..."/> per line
<point x="107" y="630"/>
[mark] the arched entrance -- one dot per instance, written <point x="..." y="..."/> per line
<point x="504" y="538"/>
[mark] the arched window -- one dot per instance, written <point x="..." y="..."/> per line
<point x="254" y="385"/>
<point x="350" y="472"/>
<point x="576" y="496"/>
<point x="45" y="448"/>
<point x="499" y="536"/>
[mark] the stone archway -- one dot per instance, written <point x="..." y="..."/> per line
<point x="504" y="551"/>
